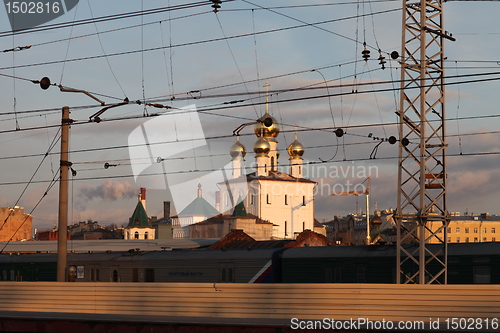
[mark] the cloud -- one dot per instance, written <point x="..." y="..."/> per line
<point x="109" y="190"/>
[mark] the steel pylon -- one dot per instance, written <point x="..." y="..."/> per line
<point x="422" y="149"/>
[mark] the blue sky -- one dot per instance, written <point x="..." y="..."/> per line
<point x="286" y="57"/>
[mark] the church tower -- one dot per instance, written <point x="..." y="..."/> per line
<point x="295" y="151"/>
<point x="269" y="134"/>
<point x="238" y="153"/>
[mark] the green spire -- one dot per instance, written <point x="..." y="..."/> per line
<point x="239" y="210"/>
<point x="140" y="217"/>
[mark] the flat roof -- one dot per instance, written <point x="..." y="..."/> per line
<point x="104" y="245"/>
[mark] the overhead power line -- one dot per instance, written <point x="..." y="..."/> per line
<point x="251" y="34"/>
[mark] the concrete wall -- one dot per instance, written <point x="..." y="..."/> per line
<point x="375" y="302"/>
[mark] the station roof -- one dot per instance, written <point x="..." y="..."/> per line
<point x="113" y="245"/>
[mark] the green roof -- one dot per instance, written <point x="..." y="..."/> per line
<point x="199" y="207"/>
<point x="140" y="217"/>
<point x="239" y="210"/>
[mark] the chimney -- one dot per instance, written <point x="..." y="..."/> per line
<point x="143" y="197"/>
<point x="166" y="210"/>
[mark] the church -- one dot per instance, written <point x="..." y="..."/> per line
<point x="284" y="199"/>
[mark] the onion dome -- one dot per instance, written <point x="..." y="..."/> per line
<point x="261" y="129"/>
<point x="237" y="149"/>
<point x="261" y="147"/>
<point x="295" y="149"/>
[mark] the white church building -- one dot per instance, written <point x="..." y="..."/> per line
<point x="284" y="199"/>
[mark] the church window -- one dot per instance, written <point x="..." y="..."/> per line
<point x="136" y="235"/>
<point x="268" y="199"/>
<point x="272" y="162"/>
<point x="303" y="200"/>
<point x="286" y="199"/>
<point x="300" y="170"/>
<point x="303" y="226"/>
<point x="286" y="229"/>
<point x="146" y="235"/>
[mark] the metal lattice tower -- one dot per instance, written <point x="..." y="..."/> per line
<point x="422" y="149"/>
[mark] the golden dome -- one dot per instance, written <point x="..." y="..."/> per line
<point x="237" y="149"/>
<point x="261" y="129"/>
<point x="261" y="147"/>
<point x="295" y="149"/>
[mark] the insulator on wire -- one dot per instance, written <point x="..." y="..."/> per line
<point x="365" y="53"/>
<point x="216" y="5"/>
<point x="381" y="60"/>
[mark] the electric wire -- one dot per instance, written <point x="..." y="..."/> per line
<point x="192" y="43"/>
<point x="51" y="146"/>
<point x="107" y="18"/>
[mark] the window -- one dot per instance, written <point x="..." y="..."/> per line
<point x="492" y="230"/>
<point x="94" y="274"/>
<point x="135" y="275"/>
<point x="476" y="240"/>
<point x="449" y="239"/>
<point x="136" y="235"/>
<point x="485" y="239"/>
<point x="303" y="200"/>
<point x="449" y="230"/>
<point x="150" y="275"/>
<point x="286" y="229"/>
<point x="457" y="230"/>
<point x="272" y="162"/>
<point x="458" y="239"/>
<point x="226" y="271"/>
<point x="338" y="275"/>
<point x="328" y="275"/>
<point x="475" y="230"/>
<point x="286" y="199"/>
<point x="146" y="235"/>
<point x="303" y="226"/>
<point x="115" y="276"/>
<point x="493" y="239"/>
<point x="466" y="230"/>
<point x="482" y="274"/>
<point x="361" y="278"/>
<point x="268" y="199"/>
<point x="466" y="239"/>
<point x="252" y="197"/>
<point x="484" y="230"/>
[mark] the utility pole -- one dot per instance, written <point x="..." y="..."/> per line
<point x="422" y="148"/>
<point x="62" y="246"/>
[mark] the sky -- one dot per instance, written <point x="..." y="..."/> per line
<point x="193" y="58"/>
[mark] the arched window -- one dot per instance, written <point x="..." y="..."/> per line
<point x="136" y="235"/>
<point x="146" y="235"/>
<point x="272" y="163"/>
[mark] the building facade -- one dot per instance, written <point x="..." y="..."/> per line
<point x="17" y="225"/>
<point x="284" y="199"/>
